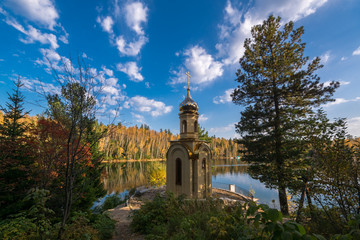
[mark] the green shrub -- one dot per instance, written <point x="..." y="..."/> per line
<point x="326" y="223"/>
<point x="80" y="228"/>
<point x="176" y="218"/>
<point x="33" y="223"/>
<point x="20" y="228"/>
<point x="111" y="202"/>
<point x="86" y="225"/>
<point x="104" y="225"/>
<point x="151" y="218"/>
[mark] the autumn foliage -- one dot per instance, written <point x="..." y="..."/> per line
<point x="51" y="138"/>
<point x="135" y="142"/>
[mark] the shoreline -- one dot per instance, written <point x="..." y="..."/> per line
<point x="145" y="160"/>
<point x="134" y="160"/>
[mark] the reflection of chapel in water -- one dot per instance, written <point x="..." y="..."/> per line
<point x="188" y="160"/>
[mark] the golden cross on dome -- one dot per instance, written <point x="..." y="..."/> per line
<point x="188" y="75"/>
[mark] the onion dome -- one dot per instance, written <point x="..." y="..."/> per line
<point x="188" y="105"/>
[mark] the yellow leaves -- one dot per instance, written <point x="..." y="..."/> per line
<point x="157" y="176"/>
<point x="133" y="143"/>
<point x="291" y="203"/>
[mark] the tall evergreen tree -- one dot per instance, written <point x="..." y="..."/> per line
<point x="279" y="88"/>
<point x="16" y="155"/>
<point x="14" y="111"/>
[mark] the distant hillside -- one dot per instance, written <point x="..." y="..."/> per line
<point x="142" y="143"/>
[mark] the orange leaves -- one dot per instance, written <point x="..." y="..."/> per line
<point x="55" y="151"/>
<point x="54" y="174"/>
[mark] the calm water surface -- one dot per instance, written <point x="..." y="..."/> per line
<point x="121" y="177"/>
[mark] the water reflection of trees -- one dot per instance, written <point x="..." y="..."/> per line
<point x="124" y="176"/>
<point x="231" y="166"/>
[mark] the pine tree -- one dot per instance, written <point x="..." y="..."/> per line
<point x="279" y="88"/>
<point x="16" y="155"/>
<point x="12" y="127"/>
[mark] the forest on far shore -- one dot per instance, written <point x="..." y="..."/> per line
<point x="140" y="142"/>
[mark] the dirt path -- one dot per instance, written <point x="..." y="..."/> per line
<point x="121" y="213"/>
<point x="122" y="228"/>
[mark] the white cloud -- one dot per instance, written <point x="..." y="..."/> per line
<point x="357" y="51"/>
<point x="202" y="118"/>
<point x="64" y="39"/>
<point x="342" y="83"/>
<point x="110" y="91"/>
<point x="139" y="118"/>
<point x="226" y="128"/>
<point x="354" y="126"/>
<point x="2" y="60"/>
<point x="39" y="11"/>
<point x="50" y="54"/>
<point x="110" y="86"/>
<point x="202" y="66"/>
<point x="227" y="131"/>
<point x="130" y="48"/>
<point x="112" y="100"/>
<point x="325" y="57"/>
<point x="233" y="15"/>
<point x="289" y="10"/>
<point x="107" y="71"/>
<point x="147" y="84"/>
<point x="225" y="98"/>
<point x="143" y="104"/>
<point x="52" y="60"/>
<point x="132" y="70"/>
<point x="340" y="101"/>
<point x="237" y="23"/>
<point x="85" y="56"/>
<point x="114" y="112"/>
<point x="135" y="15"/>
<point x="337" y="102"/>
<point x="33" y="34"/>
<point x="65" y="36"/>
<point x="106" y="23"/>
<point x="234" y="30"/>
<point x="343" y="58"/>
<point x="40" y="87"/>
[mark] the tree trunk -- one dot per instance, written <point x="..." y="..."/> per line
<point x="309" y="202"/>
<point x="283" y="200"/>
<point x="278" y="154"/>
<point x="301" y="202"/>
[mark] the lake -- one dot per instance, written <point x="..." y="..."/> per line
<point x="121" y="177"/>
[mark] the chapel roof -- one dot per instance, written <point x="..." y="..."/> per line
<point x="188" y="105"/>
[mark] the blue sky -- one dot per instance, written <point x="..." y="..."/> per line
<point x="140" y="51"/>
